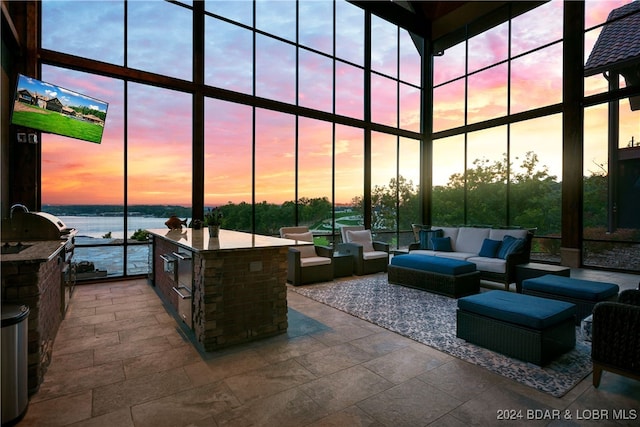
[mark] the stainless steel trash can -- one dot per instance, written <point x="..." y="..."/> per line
<point x="15" y="347"/>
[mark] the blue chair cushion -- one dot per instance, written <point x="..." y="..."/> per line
<point x="525" y="310"/>
<point x="490" y="248"/>
<point x="442" y="244"/>
<point x="587" y="290"/>
<point x="452" y="267"/>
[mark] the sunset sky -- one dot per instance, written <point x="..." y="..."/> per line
<point x="159" y="130"/>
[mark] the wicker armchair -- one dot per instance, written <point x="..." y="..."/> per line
<point x="368" y="256"/>
<point x="309" y="263"/>
<point x="616" y="336"/>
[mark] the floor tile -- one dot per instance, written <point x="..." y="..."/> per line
<point x="412" y="403"/>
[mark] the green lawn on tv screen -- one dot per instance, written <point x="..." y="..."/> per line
<point x="58" y="123"/>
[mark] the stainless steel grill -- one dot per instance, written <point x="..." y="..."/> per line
<point x="30" y="226"/>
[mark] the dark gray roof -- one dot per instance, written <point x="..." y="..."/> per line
<point x="618" y="45"/>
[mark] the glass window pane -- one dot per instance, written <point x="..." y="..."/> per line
<point x="274" y="170"/>
<point x="164" y="48"/>
<point x="408" y="187"/>
<point x="349" y="32"/>
<point x="384" y="169"/>
<point x="537" y="27"/>
<point x="410" y="59"/>
<point x="599" y="55"/>
<point x="349" y="175"/>
<point x="277" y="18"/>
<point x="315" y="25"/>
<point x="104" y="21"/>
<point x="163" y="178"/>
<point x="138" y="252"/>
<point x="228" y="56"/>
<point x="536" y="79"/>
<point x="384" y="100"/>
<point x="228" y="160"/>
<point x="603" y="221"/>
<point x="597" y="11"/>
<point x="409" y="108"/>
<point x="315" y="174"/>
<point x="536" y="175"/>
<point x="489" y="48"/>
<point x="448" y="181"/>
<point x="316" y="81"/>
<point x="487" y="97"/>
<point x="349" y="90"/>
<point x="448" y="106"/>
<point x="275" y="79"/>
<point x="239" y="11"/>
<point x="66" y="181"/>
<point x="486" y="177"/>
<point x="384" y="47"/>
<point x="449" y="65"/>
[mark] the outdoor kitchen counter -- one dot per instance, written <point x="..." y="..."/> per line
<point x="239" y="285"/>
<point x="37" y="251"/>
<point x="199" y="240"/>
<point x="33" y="277"/>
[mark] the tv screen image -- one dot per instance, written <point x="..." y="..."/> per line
<point x="52" y="109"/>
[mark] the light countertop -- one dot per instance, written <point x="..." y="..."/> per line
<point x="199" y="240"/>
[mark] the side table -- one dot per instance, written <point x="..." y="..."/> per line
<point x="534" y="269"/>
<point x="342" y="264"/>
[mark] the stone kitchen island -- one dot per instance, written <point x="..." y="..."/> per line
<point x="238" y="283"/>
<point x="34" y="277"/>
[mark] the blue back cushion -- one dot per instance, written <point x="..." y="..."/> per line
<point x="509" y="246"/>
<point x="441" y="244"/>
<point x="490" y="248"/>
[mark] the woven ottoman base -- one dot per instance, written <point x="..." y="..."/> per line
<point x="451" y="285"/>
<point x="527" y="343"/>
<point x="584" y="294"/>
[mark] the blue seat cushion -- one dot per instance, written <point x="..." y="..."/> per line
<point x="452" y="267"/>
<point x="587" y="290"/>
<point x="525" y="310"/>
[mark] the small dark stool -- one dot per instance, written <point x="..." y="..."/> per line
<point x="342" y="264"/>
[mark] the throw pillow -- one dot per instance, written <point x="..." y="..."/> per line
<point x="442" y="244"/>
<point x="509" y="246"/>
<point x="425" y="238"/>
<point x="362" y="237"/>
<point x="490" y="248"/>
<point x="305" y="237"/>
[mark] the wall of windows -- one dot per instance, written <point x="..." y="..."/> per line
<point x="498" y="134"/>
<point x="273" y="105"/>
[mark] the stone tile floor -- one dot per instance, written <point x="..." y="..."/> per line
<point x="121" y="360"/>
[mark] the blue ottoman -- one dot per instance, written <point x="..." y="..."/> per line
<point x="451" y="277"/>
<point x="585" y="294"/>
<point x="525" y="327"/>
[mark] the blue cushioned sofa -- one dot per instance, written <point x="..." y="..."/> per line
<point x="494" y="251"/>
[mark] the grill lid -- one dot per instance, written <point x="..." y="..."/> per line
<point x="25" y="226"/>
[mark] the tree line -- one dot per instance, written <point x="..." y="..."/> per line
<point x="490" y="193"/>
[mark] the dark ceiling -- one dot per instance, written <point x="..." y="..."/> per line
<point x="435" y="19"/>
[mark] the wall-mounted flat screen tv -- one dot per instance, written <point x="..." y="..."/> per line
<point x="52" y="109"/>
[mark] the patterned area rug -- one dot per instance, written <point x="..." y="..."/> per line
<point x="431" y="319"/>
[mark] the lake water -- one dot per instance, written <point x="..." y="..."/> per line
<point x="98" y="226"/>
